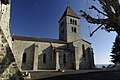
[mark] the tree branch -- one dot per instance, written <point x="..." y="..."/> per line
<point x="95" y="30"/>
<point x="115" y="5"/>
<point x="111" y="9"/>
<point x="93" y="7"/>
<point x="91" y="19"/>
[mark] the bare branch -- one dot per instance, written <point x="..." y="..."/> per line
<point x="95" y="30"/>
<point x="93" y="7"/>
<point x="107" y="7"/>
<point x="111" y="9"/>
<point x="91" y="19"/>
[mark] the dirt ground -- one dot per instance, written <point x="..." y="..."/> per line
<point x="76" y="75"/>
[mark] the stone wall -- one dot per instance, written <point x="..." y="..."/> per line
<point x="28" y="55"/>
<point x="19" y="47"/>
<point x="69" y="60"/>
<point x="5" y="22"/>
<point x="87" y="61"/>
<point x="69" y="35"/>
<point x="8" y="66"/>
<point x="36" y="51"/>
<point x="72" y="36"/>
<point x="40" y="49"/>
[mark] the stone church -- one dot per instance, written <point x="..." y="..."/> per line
<point x="68" y="52"/>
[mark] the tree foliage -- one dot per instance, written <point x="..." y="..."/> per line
<point x="111" y="11"/>
<point x="116" y="51"/>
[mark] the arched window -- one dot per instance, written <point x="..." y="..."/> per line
<point x="75" y="30"/>
<point x="88" y="50"/>
<point x="44" y="58"/>
<point x="72" y="28"/>
<point x="71" y="21"/>
<point x="24" y="58"/>
<point x="83" y="50"/>
<point x="64" y="58"/>
<point x="75" y="22"/>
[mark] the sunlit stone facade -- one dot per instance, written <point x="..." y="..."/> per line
<point x="68" y="52"/>
<point x="8" y="67"/>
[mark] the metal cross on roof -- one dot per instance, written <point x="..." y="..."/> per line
<point x="68" y="1"/>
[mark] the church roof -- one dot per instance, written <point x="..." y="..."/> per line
<point x="69" y="12"/>
<point x="30" y="38"/>
<point x="86" y="41"/>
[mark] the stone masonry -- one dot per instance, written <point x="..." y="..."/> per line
<point x="68" y="52"/>
<point x="8" y="66"/>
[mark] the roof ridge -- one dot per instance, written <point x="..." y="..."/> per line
<point x="32" y="38"/>
<point x="35" y="37"/>
<point x="69" y="12"/>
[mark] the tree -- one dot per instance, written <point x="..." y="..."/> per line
<point x="116" y="51"/>
<point x="111" y="11"/>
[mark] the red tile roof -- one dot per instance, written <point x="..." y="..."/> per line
<point x="29" y="38"/>
<point x="69" y="12"/>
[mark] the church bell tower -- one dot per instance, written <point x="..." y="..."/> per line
<point x="69" y="26"/>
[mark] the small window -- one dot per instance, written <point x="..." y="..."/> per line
<point x="44" y="58"/>
<point x="75" y="22"/>
<point x="64" y="58"/>
<point x="88" y="50"/>
<point x="83" y="50"/>
<point x="24" y="57"/>
<point x="75" y="29"/>
<point x="72" y="28"/>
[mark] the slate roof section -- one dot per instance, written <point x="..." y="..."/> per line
<point x="69" y="12"/>
<point x="30" y="38"/>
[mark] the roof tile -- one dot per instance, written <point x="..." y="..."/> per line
<point x="29" y="38"/>
<point x="69" y="12"/>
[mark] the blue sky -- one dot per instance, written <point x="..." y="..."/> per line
<point x="40" y="18"/>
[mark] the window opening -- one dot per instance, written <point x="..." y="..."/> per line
<point x="64" y="58"/>
<point x="44" y="58"/>
<point x="83" y="50"/>
<point x="24" y="57"/>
